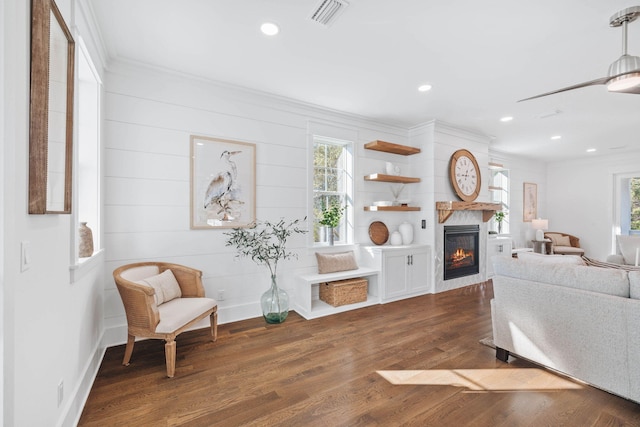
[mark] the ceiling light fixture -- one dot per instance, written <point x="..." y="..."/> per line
<point x="556" y="137"/>
<point x="591" y="150"/>
<point x="626" y="65"/>
<point x="269" y="29"/>
<point x="424" y="88"/>
<point x="506" y="119"/>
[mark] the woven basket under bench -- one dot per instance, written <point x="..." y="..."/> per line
<point x="342" y="292"/>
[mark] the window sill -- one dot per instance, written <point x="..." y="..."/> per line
<point x="84" y="265"/>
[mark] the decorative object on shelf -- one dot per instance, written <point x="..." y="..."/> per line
<point x="406" y="230"/>
<point x="383" y="203"/>
<point x="331" y="218"/>
<point x="396" y="239"/>
<point x="392" y="169"/>
<point x="529" y="201"/>
<point x="378" y="233"/>
<point x="464" y="174"/>
<point x="85" y="248"/>
<point x="396" y="190"/>
<point x="223" y="183"/>
<point x="499" y="217"/>
<point x="343" y="292"/>
<point x="540" y="225"/>
<point x="265" y="243"/>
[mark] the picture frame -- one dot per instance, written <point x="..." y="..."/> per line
<point x="223" y="183"/>
<point x="529" y="201"/>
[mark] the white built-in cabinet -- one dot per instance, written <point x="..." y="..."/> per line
<point x="404" y="270"/>
<point x="497" y="246"/>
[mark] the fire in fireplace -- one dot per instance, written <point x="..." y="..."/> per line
<point x="461" y="255"/>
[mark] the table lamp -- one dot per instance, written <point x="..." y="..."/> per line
<point x="539" y="225"/>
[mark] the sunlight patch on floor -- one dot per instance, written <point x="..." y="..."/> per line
<point x="517" y="379"/>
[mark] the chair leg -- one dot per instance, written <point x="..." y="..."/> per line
<point x="128" y="350"/>
<point x="214" y="325"/>
<point x="170" y="355"/>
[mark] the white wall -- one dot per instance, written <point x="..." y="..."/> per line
<point x="149" y="118"/>
<point x="51" y="325"/>
<point x="580" y="199"/>
<point x="523" y="170"/>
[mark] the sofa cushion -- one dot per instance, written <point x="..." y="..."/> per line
<point x="594" y="279"/>
<point x="165" y="285"/>
<point x="628" y="246"/>
<point x="634" y="284"/>
<point x="550" y="259"/>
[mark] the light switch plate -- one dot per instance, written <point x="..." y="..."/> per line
<point x="25" y="255"/>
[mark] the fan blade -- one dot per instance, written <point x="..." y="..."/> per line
<point x="599" y="81"/>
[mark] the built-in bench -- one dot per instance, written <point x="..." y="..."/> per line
<point x="308" y="304"/>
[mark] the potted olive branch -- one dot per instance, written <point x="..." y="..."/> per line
<point x="265" y="243"/>
<point x="331" y="218"/>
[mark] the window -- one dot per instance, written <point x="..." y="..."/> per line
<point x="499" y="190"/>
<point x="332" y="185"/>
<point x="88" y="166"/>
<point x="630" y="205"/>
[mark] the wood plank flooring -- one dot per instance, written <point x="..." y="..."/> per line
<point x="323" y="372"/>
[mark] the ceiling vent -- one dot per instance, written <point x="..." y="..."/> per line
<point x="328" y="11"/>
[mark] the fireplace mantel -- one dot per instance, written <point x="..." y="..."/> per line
<point x="446" y="209"/>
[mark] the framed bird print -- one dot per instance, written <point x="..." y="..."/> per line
<point x="223" y="183"/>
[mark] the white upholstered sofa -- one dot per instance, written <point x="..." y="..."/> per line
<point x="580" y="320"/>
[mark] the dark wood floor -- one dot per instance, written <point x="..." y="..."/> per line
<point x="323" y="372"/>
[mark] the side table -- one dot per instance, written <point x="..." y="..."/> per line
<point x="543" y="246"/>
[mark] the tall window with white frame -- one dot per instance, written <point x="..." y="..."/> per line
<point x="499" y="190"/>
<point x="332" y="186"/>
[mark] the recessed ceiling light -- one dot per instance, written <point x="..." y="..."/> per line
<point x="424" y="88"/>
<point x="556" y="137"/>
<point x="506" y="119"/>
<point x="591" y="150"/>
<point x="269" y="28"/>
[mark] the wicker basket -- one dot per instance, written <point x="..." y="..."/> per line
<point x="342" y="292"/>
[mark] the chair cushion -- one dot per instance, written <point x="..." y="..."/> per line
<point x="628" y="246"/>
<point x="165" y="285"/>
<point x="180" y="311"/>
<point x="568" y="250"/>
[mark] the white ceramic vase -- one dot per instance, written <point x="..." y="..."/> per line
<point x="395" y="239"/>
<point x="406" y="230"/>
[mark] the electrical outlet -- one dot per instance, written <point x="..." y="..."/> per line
<point x="220" y="295"/>
<point x="60" y="392"/>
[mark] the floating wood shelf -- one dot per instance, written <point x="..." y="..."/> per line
<point x="391" y="208"/>
<point x="390" y="147"/>
<point x="446" y="209"/>
<point x="391" y="178"/>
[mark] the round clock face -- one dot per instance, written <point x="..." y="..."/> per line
<point x="465" y="175"/>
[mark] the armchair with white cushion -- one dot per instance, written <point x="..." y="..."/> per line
<point x="162" y="300"/>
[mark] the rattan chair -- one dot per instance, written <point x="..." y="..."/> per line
<point x="148" y="319"/>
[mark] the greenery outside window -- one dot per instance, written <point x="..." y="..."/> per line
<point x="332" y="185"/>
<point x="499" y="190"/>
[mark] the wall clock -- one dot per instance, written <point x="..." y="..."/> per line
<point x="465" y="175"/>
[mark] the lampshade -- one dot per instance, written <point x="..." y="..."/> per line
<point x="539" y="225"/>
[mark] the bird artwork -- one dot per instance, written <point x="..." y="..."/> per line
<point x="222" y="193"/>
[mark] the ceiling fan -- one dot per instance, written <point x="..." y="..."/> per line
<point x="624" y="73"/>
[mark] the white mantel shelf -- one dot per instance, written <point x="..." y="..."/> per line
<point x="446" y="209"/>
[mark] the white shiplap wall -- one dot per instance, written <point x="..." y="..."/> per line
<point x="148" y="120"/>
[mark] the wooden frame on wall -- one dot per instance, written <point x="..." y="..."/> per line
<point x="529" y="201"/>
<point x="51" y="110"/>
<point x="223" y="183"/>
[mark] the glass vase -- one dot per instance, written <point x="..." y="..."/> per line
<point x="275" y="303"/>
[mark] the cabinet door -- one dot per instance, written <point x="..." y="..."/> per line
<point x="418" y="277"/>
<point x="395" y="274"/>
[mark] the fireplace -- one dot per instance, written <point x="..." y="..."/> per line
<point x="461" y="254"/>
